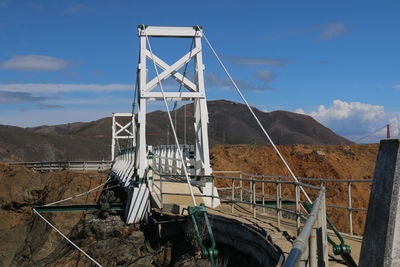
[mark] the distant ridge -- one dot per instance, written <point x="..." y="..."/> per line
<point x="230" y="123"/>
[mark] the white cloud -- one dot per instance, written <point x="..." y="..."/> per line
<point x="104" y="101"/>
<point x="18" y="97"/>
<point x="355" y="120"/>
<point x="264" y="75"/>
<point x="343" y="110"/>
<point x="260" y="61"/>
<point x="332" y="30"/>
<point x="214" y="81"/>
<point x="63" y="88"/>
<point x="74" y="8"/>
<point x="34" y="63"/>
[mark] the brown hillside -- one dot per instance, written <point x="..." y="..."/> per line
<point x="334" y="162"/>
<point x="19" y="144"/>
<point x="230" y="123"/>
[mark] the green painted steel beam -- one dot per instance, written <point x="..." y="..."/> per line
<point x="272" y="203"/>
<point x="70" y="208"/>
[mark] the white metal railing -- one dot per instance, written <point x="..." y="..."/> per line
<point x="313" y="232"/>
<point x="166" y="159"/>
<point x="124" y="166"/>
<point x="248" y="191"/>
<point x="67" y="165"/>
<point x="351" y="183"/>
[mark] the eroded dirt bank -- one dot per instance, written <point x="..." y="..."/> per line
<point x="27" y="241"/>
<point x="20" y="189"/>
<point x="328" y="162"/>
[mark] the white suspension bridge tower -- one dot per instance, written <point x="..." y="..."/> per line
<point x="136" y="167"/>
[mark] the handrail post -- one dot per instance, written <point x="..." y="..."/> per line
<point x="279" y="201"/>
<point x="263" y="194"/>
<point x="233" y="196"/>
<point x="241" y="186"/>
<point x="350" y="208"/>
<point x="254" y="197"/>
<point x="312" y="249"/>
<point x="297" y="200"/>
<point x="322" y="234"/>
<point x="161" y="192"/>
<point x="212" y="191"/>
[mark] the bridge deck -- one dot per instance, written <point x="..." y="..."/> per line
<point x="175" y="195"/>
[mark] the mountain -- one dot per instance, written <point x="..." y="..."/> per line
<point x="230" y="123"/>
<point x="19" y="144"/>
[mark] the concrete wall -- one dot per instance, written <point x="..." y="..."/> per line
<point x="381" y="242"/>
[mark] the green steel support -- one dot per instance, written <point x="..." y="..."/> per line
<point x="342" y="249"/>
<point x="196" y="213"/>
<point x="70" y="208"/>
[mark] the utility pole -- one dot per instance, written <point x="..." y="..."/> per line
<point x="388" y="131"/>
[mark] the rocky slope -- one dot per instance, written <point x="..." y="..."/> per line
<point x="28" y="241"/>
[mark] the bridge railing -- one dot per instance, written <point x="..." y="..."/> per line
<point x="247" y="192"/>
<point x="166" y="159"/>
<point x="124" y="166"/>
<point x="347" y="227"/>
<point x="308" y="239"/>
<point x="66" y="165"/>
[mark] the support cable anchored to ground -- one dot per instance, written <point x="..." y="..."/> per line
<point x="69" y="198"/>
<point x="66" y="238"/>
<point x="256" y="118"/>
<point x="172" y="125"/>
<point x="79" y="195"/>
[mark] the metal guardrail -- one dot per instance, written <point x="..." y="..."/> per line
<point x="309" y="235"/>
<point x="66" y="165"/>
<point x="350" y="184"/>
<point x="310" y="227"/>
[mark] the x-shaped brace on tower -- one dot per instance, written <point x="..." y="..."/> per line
<point x="195" y="90"/>
<point x="122" y="131"/>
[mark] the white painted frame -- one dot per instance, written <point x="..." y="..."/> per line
<point x="195" y="91"/>
<point x="122" y="131"/>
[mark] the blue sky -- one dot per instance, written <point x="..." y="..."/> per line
<point x="338" y="61"/>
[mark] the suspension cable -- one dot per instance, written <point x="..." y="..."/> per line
<point x="256" y="118"/>
<point x="171" y="123"/>
<point x="368" y="135"/>
<point x="66" y="238"/>
<point x="80" y="194"/>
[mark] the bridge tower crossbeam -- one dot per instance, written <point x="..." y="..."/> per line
<point x="194" y="90"/>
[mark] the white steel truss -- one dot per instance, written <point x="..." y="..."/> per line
<point x="194" y="91"/>
<point x="122" y="130"/>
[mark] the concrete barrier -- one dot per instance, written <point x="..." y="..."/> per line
<point x="381" y="242"/>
